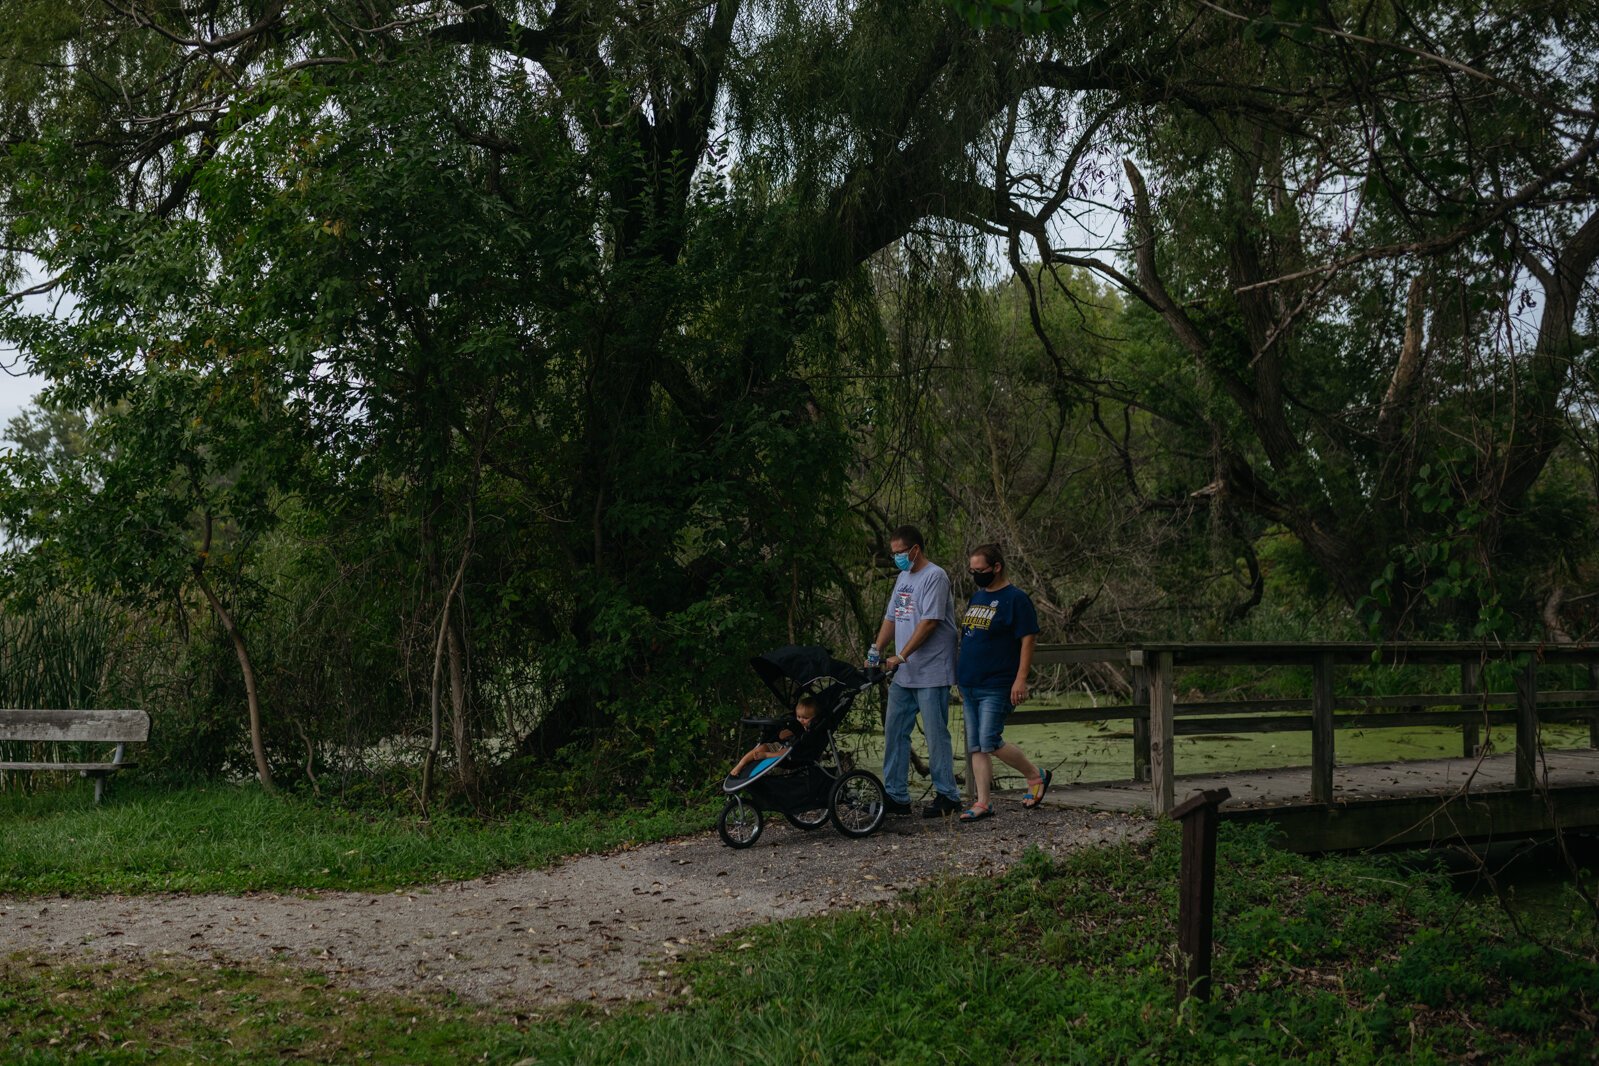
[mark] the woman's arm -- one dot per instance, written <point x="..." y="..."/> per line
<point x="1018" y="688"/>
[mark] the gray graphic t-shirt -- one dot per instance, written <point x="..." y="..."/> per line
<point x="918" y="597"/>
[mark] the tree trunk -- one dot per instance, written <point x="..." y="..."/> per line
<point x="460" y="719"/>
<point x="436" y="717"/>
<point x="257" y="744"/>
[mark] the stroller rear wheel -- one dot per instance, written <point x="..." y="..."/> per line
<point x="739" y="823"/>
<point x="858" y="804"/>
<point x="808" y="820"/>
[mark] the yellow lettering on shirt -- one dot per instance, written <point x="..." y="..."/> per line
<point x="977" y="617"/>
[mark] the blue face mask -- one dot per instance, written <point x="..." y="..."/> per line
<point x="902" y="560"/>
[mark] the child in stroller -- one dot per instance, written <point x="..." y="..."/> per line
<point x="804" y="714"/>
<point x="803" y="776"/>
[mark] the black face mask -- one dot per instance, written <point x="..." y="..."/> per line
<point x="983" y="578"/>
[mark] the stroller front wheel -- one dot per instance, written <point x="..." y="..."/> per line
<point x="858" y="804"/>
<point x="739" y="823"/>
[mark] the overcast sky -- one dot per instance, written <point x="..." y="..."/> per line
<point x="16" y="387"/>
<point x="17" y="382"/>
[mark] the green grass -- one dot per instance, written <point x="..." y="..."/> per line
<point x="147" y="838"/>
<point x="1335" y="960"/>
<point x="138" y="1012"/>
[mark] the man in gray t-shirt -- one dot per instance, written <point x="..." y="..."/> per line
<point x="921" y="619"/>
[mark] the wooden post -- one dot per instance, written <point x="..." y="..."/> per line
<point x="1196" y="905"/>
<point x="1141" y="725"/>
<point x="1161" y="731"/>
<point x="1321" y="732"/>
<point x="1527" y="724"/>
<point x="1593" y="719"/>
<point x="1471" y="684"/>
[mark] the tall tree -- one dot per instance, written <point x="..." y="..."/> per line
<point x="1373" y="229"/>
<point x="582" y="259"/>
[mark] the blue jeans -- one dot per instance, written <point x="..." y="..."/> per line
<point x="903" y="706"/>
<point x="985" y="711"/>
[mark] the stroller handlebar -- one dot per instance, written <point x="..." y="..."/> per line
<point x="875" y="674"/>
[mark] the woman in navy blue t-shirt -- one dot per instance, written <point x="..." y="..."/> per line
<point x="998" y="631"/>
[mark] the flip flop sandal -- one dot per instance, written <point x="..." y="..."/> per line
<point x="1035" y="797"/>
<point x="976" y="813"/>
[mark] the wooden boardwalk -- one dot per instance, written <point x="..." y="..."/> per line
<point x="1327" y="806"/>
<point x="1290" y="786"/>
<point x="1392" y="804"/>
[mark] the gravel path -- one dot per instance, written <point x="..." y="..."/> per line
<point x="593" y="928"/>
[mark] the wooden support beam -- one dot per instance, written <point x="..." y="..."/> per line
<point x="1108" y="713"/>
<point x="1241" y="706"/>
<point x="1196" y="896"/>
<point x="1593" y="722"/>
<point x="1575" y="713"/>
<point x="1190" y="723"/>
<point x="1347" y="653"/>
<point x="1141" y="725"/>
<point x="1198" y="725"/>
<point x="1303" y="723"/>
<point x="1581" y="704"/>
<point x="1409" y="701"/>
<point x="1321" y="732"/>
<point x="1161" y="700"/>
<point x="1470" y="684"/>
<point x="1077" y="654"/>
<point x="1412" y="821"/>
<point x="1527" y="724"/>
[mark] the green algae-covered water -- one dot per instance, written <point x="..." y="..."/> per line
<point x="1104" y="751"/>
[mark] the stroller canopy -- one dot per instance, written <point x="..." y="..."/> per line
<point x="792" y="670"/>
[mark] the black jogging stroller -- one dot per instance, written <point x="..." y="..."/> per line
<point x="810" y="782"/>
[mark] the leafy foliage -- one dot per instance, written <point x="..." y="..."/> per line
<point x="499" y="377"/>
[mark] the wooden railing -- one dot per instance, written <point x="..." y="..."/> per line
<point x="1157" y="717"/>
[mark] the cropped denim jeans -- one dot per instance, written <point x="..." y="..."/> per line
<point x="904" y="704"/>
<point x="985" y="711"/>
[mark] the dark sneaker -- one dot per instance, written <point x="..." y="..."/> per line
<point x="894" y="806"/>
<point x="941" y="807"/>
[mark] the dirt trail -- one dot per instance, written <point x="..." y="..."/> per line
<point x="593" y="928"/>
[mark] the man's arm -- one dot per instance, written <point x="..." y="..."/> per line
<point x="884" y="633"/>
<point x="918" y="638"/>
<point x="933" y="604"/>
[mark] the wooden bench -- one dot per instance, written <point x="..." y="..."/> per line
<point x="96" y="727"/>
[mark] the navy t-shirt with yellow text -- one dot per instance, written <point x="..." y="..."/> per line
<point x="992" y="629"/>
